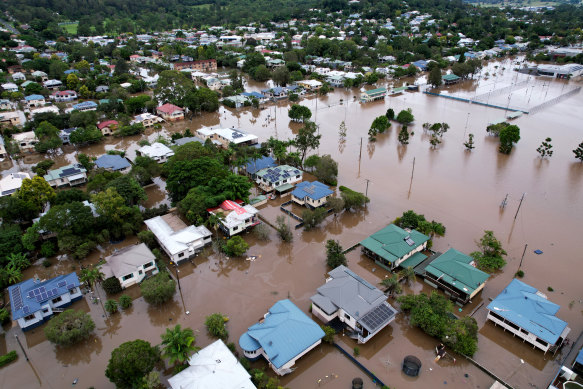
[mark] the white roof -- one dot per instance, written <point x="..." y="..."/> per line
<point x="11" y="183"/>
<point x="50" y="108"/>
<point x="127" y="260"/>
<point x="310" y="82"/>
<point x="213" y="367"/>
<point x="177" y="241"/>
<point x="233" y="135"/>
<point x="156" y="150"/>
<point x="24" y="136"/>
<point x="238" y="216"/>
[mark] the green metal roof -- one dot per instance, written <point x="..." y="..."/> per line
<point x="399" y="89"/>
<point x="450" y="77"/>
<point x="284" y="187"/>
<point x="413" y="260"/>
<point x="454" y="268"/>
<point x="389" y="243"/>
<point x="375" y="91"/>
<point x="257" y="199"/>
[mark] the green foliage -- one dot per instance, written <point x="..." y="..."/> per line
<point x="307" y="139"/>
<point x="470" y="143"/>
<point x="412" y="220"/>
<point x="392" y="285"/>
<point x="158" y="289"/>
<point x="261" y="73"/>
<point x="69" y="196"/>
<point x="69" y="327"/>
<point x="283" y="229"/>
<point x="236" y="246"/>
<point x="132" y="129"/>
<point x="489" y="259"/>
<point x="85" y="161"/>
<point x="313" y="217"/>
<point x="404" y="135"/>
<point x="125" y="301"/>
<point x="128" y="188"/>
<point x="508" y="137"/>
<point x="4" y="316"/>
<point x="148" y="238"/>
<point x="36" y="192"/>
<point x="86" y="135"/>
<point x="261" y="232"/>
<point x="178" y="344"/>
<point x="111" y="285"/>
<point x="111" y="306"/>
<point x="329" y="333"/>
<point x="352" y="200"/>
<point x="42" y="167"/>
<point x="519" y="274"/>
<point x="435" y="77"/>
<point x="299" y="113"/>
<point x="390" y="114"/>
<point x="550" y="289"/>
<point x="545" y="149"/>
<point x="10" y="235"/>
<point x="432" y="315"/>
<point x="356" y="351"/>
<point x="378" y="126"/>
<point x="334" y="254"/>
<point x="7" y="358"/>
<point x="48" y="137"/>
<point x="408" y="274"/>
<point x="215" y="325"/>
<point x="48" y="249"/>
<point x="130" y="362"/>
<point x="579" y="152"/>
<point x="405" y="116"/>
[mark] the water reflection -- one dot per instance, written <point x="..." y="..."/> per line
<point x="166" y="314"/>
<point x="79" y="353"/>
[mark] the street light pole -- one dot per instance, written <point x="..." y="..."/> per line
<point x="22" y="348"/>
<point x="177" y="276"/>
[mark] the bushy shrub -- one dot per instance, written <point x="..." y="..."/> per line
<point x="215" y="324"/>
<point x="111" y="285"/>
<point x="69" y="327"/>
<point x="158" y="289"/>
<point x="8" y="357"/>
<point x="125" y="301"/>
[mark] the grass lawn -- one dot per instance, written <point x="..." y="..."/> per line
<point x="70" y="28"/>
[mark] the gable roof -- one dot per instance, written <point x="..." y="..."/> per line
<point x="454" y="268"/>
<point x="528" y="308"/>
<point x="285" y="333"/>
<point x="156" y="149"/>
<point x="169" y="108"/>
<point x="176" y="241"/>
<point x="390" y="242"/>
<point x="314" y="190"/>
<point x="278" y="173"/>
<point x="107" y="123"/>
<point x="65" y="171"/>
<point x="28" y="297"/>
<point x="234" y="212"/>
<point x="253" y="167"/>
<point x="34" y="97"/>
<point x="127" y="260"/>
<point x="112" y="161"/>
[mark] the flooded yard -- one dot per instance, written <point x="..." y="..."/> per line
<point x="461" y="189"/>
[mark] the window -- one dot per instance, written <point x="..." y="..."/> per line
<point x="57" y="300"/>
<point x="235" y="228"/>
<point x="542" y="342"/>
<point x="525" y="332"/>
<point x="180" y="255"/>
<point x="29" y="317"/>
<point x="496" y="316"/>
<point x="298" y="176"/>
<point x="147" y="265"/>
<point x="73" y="291"/>
<point x="512" y="325"/>
<point x="128" y="276"/>
<point x="45" y="310"/>
<point x="140" y="272"/>
<point x="347" y="316"/>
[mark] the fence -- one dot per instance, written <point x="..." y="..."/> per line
<point x="501" y="91"/>
<point x="556" y="100"/>
<point x="507" y="108"/>
<point x="375" y="379"/>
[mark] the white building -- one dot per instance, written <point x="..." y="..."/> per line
<point x="146" y="119"/>
<point x="159" y="152"/>
<point x="280" y="178"/>
<point x="355" y="302"/>
<point x="25" y="140"/>
<point x="236" y="217"/>
<point x="130" y="265"/>
<point x="11" y="183"/>
<point x="177" y="239"/>
<point x="226" y="136"/>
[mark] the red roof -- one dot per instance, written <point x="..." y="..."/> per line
<point x="107" y="123"/>
<point x="230" y="205"/>
<point x="64" y="93"/>
<point x="169" y="108"/>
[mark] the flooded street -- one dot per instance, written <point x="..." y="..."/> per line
<point x="462" y="190"/>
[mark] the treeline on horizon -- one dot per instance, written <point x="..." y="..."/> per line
<point x="119" y="16"/>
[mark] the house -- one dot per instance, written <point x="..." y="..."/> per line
<point x="177" y="239"/>
<point x="226" y="136"/>
<point x="33" y="302"/>
<point x="170" y="112"/>
<point x="85" y="106"/>
<point x="205" y="65"/>
<point x="52" y="84"/>
<point x="277" y="92"/>
<point x="130" y="265"/>
<point x="336" y="80"/>
<point x="113" y="163"/>
<point x="283" y="336"/>
<point x="3" y="153"/>
<point x="159" y="152"/>
<point x="47" y="109"/>
<point x="6" y="105"/>
<point x="9" y="119"/>
<point x="236" y="101"/>
<point x="146" y="119"/>
<point x="392" y="245"/>
<point x="449" y="79"/>
<point x="64" y="96"/>
<point x="213" y="83"/>
<point x="310" y="85"/>
<point x="560" y="71"/>
<point x="18" y="76"/>
<point x="280" y="178"/>
<point x="214" y="366"/>
<point x="69" y="175"/>
<point x="10" y="87"/>
<point x="188" y="139"/>
<point x="35" y="101"/>
<point x="525" y="312"/>
<point x="65" y="135"/>
<point x="373" y="94"/>
<point x="311" y="194"/>
<point x="252" y="167"/>
<point x="254" y="95"/>
<point x="102" y="89"/>
<point x="236" y="216"/>
<point x="25" y="140"/>
<point x="353" y="301"/>
<point x="37" y="74"/>
<point x="108" y="127"/>
<point x="456" y="274"/>
<point x="11" y="183"/>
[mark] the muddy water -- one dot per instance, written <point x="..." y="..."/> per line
<point x="461" y="189"/>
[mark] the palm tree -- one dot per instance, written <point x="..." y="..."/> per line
<point x="111" y="306"/>
<point x="408" y="274"/>
<point x="214" y="220"/>
<point x="10" y="274"/>
<point x="19" y="260"/>
<point x="91" y="276"/>
<point x="178" y="344"/>
<point x="392" y="285"/>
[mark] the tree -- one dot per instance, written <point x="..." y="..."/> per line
<point x="261" y="73"/>
<point x="178" y="344"/>
<point x="336" y="204"/>
<point x="412" y="220"/>
<point x="130" y="362"/>
<point x="437" y="131"/>
<point x="215" y="325"/>
<point x="489" y="258"/>
<point x="392" y="285"/>
<point x="435" y="77"/>
<point x="408" y="274"/>
<point x="342" y="129"/>
<point x="125" y="301"/>
<point x="329" y="333"/>
<point x="299" y="113"/>
<point x="579" y="152"/>
<point x="87" y="135"/>
<point x="334" y="254"/>
<point x="281" y="76"/>
<point x="352" y="200"/>
<point x="72" y="81"/>
<point x="236" y="246"/>
<point x="545" y="149"/>
<point x="404" y="135"/>
<point x="312" y="218"/>
<point x="111" y="306"/>
<point x="378" y="126"/>
<point x="128" y="188"/>
<point x="405" y="116"/>
<point x="111" y="285"/>
<point x="172" y="87"/>
<point x="390" y="114"/>
<point x="91" y="276"/>
<point x="508" y="136"/>
<point x="48" y="137"/>
<point x="326" y="169"/>
<point x="470" y="143"/>
<point x="283" y="229"/>
<point x="307" y="139"/>
<point x="158" y="289"/>
<point x="36" y="192"/>
<point x="148" y="238"/>
<point x="69" y="327"/>
<point x="85" y="161"/>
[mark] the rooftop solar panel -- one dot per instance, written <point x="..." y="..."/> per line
<point x="42" y="289"/>
<point x="26" y="310"/>
<point x="39" y="299"/>
<point x="36" y="292"/>
<point x="71" y="286"/>
<point x="44" y="296"/>
<point x="62" y="284"/>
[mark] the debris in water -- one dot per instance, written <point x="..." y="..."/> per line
<point x="538" y="252"/>
<point x="251" y="258"/>
<point x="75" y="381"/>
<point x="188" y="312"/>
<point x="521" y="360"/>
<point x="466" y="375"/>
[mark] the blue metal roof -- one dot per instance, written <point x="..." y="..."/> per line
<point x="85" y="104"/>
<point x="253" y="94"/>
<point x="314" y="190"/>
<point x="579" y="358"/>
<point x="28" y="297"/>
<point x="112" y="161"/>
<point x="34" y="97"/>
<point x="520" y="304"/>
<point x="262" y="163"/>
<point x="285" y="333"/>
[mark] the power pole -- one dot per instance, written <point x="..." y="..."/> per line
<point x="413" y="169"/>
<point x="522" y="198"/>
<point x="22" y="348"/>
<point x="524" y="252"/>
<point x="360" y="153"/>
<point x="367" y="181"/>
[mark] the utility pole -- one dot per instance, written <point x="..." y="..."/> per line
<point x="524" y="252"/>
<point x="367" y="181"/>
<point x="22" y="348"/>
<point x="360" y="153"/>
<point x="177" y="277"/>
<point x="413" y="169"/>
<point x="522" y="198"/>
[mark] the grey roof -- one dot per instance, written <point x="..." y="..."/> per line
<point x="183" y="141"/>
<point x="127" y="260"/>
<point x="112" y="161"/>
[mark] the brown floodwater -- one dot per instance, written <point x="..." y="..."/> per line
<point x="461" y="189"/>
